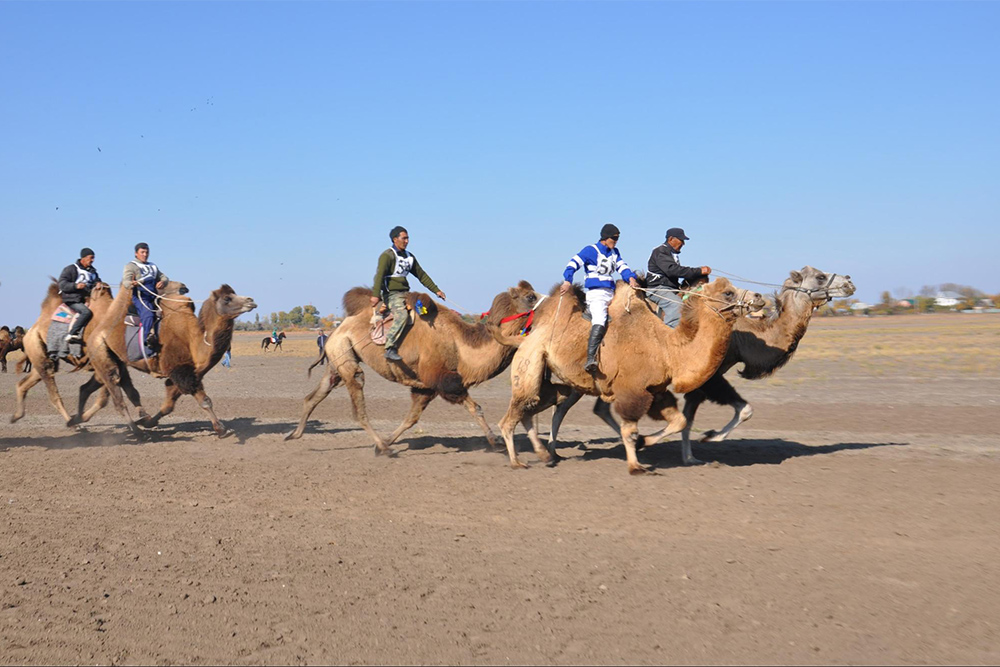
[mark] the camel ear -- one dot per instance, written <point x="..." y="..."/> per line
<point x="525" y="285"/>
<point x="795" y="277"/>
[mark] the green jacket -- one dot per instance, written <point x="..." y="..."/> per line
<point x="390" y="275"/>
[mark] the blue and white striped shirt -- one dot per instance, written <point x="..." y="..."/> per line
<point x="599" y="262"/>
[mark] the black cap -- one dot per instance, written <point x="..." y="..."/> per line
<point x="609" y="230"/>
<point x="677" y="233"/>
<point x="85" y="251"/>
<point x="141" y="246"/>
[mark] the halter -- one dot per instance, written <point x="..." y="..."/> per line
<point x="814" y="290"/>
<point x="530" y="314"/>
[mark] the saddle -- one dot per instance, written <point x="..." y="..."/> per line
<point x="381" y="323"/>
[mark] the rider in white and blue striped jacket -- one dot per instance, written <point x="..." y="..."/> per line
<point x="599" y="262"/>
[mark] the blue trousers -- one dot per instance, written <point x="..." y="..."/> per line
<point x="146" y="313"/>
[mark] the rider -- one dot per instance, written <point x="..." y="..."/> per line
<point x="390" y="283"/>
<point x="146" y="280"/>
<point x="598" y="261"/>
<point x="75" y="284"/>
<point x="274" y="334"/>
<point x="665" y="272"/>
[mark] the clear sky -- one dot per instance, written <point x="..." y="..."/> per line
<point x="273" y="145"/>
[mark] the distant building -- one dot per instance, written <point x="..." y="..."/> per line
<point x="860" y="306"/>
<point x="947" y="299"/>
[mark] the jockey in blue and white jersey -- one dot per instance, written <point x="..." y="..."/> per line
<point x="146" y="280"/>
<point x="600" y="262"/>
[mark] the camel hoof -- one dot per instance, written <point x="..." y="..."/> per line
<point x="225" y="433"/>
<point x="694" y="462"/>
<point x="146" y="422"/>
<point x="711" y="436"/>
<point x="13" y="419"/>
<point x="73" y="421"/>
<point x="292" y="436"/>
<point x="517" y="463"/>
<point x="384" y="451"/>
<point x="640" y="470"/>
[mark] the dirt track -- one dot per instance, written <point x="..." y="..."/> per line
<point x="853" y="520"/>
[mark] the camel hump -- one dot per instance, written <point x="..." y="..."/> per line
<point x="356" y="300"/>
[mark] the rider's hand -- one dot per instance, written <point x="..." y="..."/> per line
<point x="161" y="284"/>
<point x="705" y="270"/>
<point x="441" y="295"/>
<point x="633" y="283"/>
<point x="81" y="285"/>
<point x="135" y="283"/>
<point x="565" y="287"/>
<point x="375" y="301"/>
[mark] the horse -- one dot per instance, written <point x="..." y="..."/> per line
<point x="266" y="343"/>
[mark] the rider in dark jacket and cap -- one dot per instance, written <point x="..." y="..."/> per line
<point x="75" y="284"/>
<point x="665" y="272"/>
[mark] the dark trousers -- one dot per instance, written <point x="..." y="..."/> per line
<point x="147" y="316"/>
<point x="84" y="315"/>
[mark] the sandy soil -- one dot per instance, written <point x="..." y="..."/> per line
<point x="853" y="520"/>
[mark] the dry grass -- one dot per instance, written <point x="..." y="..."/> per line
<point x="919" y="345"/>
<point x="247" y="344"/>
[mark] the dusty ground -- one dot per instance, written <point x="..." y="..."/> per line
<point x="853" y="520"/>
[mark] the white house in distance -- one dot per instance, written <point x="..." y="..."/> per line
<point x="947" y="299"/>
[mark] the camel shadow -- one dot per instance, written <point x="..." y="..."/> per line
<point x="245" y="428"/>
<point x="733" y="453"/>
<point x="113" y="436"/>
<point x="473" y="443"/>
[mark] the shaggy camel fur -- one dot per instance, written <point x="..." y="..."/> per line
<point x="442" y="356"/>
<point x="10" y="342"/>
<point x="190" y="345"/>
<point x="762" y="345"/>
<point x="639" y="360"/>
<point x="43" y="368"/>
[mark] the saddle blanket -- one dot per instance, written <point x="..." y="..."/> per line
<point x="56" y="343"/>
<point x="381" y="325"/>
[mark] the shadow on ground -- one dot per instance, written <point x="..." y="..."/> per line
<point x="731" y="453"/>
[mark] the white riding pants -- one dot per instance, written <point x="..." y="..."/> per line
<point x="597" y="301"/>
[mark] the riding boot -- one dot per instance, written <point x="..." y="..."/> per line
<point x="391" y="354"/>
<point x="596" y="336"/>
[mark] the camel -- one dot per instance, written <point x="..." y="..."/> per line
<point x="190" y="345"/>
<point x="10" y="342"/>
<point x="43" y="368"/>
<point x="639" y="359"/>
<point x="442" y="356"/>
<point x="762" y="345"/>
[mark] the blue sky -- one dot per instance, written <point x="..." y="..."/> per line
<point x="273" y="145"/>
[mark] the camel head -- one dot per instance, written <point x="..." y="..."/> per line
<point x="819" y="286"/>
<point x="518" y="299"/>
<point x="729" y="301"/>
<point x="174" y="288"/>
<point x="229" y="304"/>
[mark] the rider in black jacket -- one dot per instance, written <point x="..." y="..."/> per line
<point x="665" y="272"/>
<point x="75" y="284"/>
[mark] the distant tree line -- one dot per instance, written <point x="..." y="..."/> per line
<point x="902" y="300"/>
<point x="299" y="317"/>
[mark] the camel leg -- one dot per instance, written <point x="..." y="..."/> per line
<point x="526" y="390"/>
<point x="23" y="385"/>
<point x="718" y="390"/>
<point x="477" y="413"/>
<point x="664" y="408"/>
<point x="206" y="403"/>
<point x="50" y="384"/>
<point x="86" y="389"/>
<point x="630" y="435"/>
<point x="560" y="413"/>
<point x="169" y="401"/>
<point x="326" y="384"/>
<point x="545" y="453"/>
<point x="354" y="379"/>
<point x="420" y="398"/>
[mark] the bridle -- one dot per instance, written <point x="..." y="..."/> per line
<point x="812" y="291"/>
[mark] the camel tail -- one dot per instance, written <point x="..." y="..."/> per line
<point x="315" y="364"/>
<point x="356" y="300"/>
